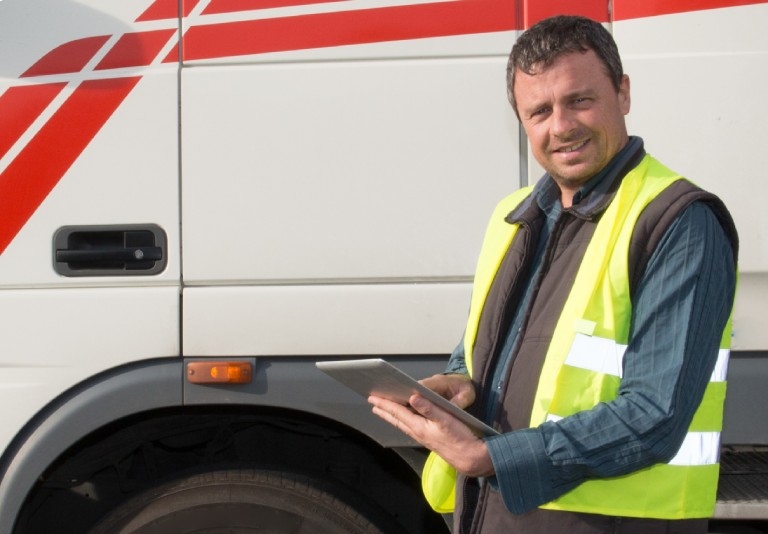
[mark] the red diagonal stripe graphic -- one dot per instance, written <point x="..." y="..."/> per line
<point x="632" y="9"/>
<point x="67" y="58"/>
<point x="135" y="49"/>
<point x="536" y="10"/>
<point x="37" y="169"/>
<point x="20" y="106"/>
<point x="233" y="6"/>
<point x="166" y="9"/>
<point x="347" y="27"/>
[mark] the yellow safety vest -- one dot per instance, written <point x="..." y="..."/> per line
<point x="583" y="367"/>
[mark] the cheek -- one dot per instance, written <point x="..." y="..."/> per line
<point x="537" y="137"/>
<point x="616" y="128"/>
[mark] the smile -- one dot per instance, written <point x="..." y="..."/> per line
<point x="572" y="148"/>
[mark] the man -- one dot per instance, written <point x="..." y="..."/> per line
<point x="598" y="329"/>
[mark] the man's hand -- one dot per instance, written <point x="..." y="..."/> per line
<point x="438" y="430"/>
<point x="456" y="388"/>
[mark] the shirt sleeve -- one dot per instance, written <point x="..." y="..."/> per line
<point x="457" y="363"/>
<point x="681" y="306"/>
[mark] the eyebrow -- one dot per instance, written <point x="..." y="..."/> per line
<point x="567" y="97"/>
<point x="580" y="93"/>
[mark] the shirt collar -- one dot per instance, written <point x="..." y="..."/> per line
<point x="594" y="195"/>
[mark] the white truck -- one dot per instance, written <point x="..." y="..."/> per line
<point x="200" y="199"/>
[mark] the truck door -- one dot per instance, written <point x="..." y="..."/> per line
<point x="89" y="263"/>
<point x="339" y="163"/>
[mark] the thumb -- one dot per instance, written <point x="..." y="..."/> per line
<point x="420" y="404"/>
<point x="425" y="408"/>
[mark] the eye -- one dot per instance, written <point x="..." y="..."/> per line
<point x="581" y="101"/>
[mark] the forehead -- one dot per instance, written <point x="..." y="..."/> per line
<point x="570" y="73"/>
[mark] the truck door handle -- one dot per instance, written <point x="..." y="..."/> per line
<point x="129" y="255"/>
<point x="110" y="250"/>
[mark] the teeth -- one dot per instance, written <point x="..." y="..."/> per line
<point x="573" y="148"/>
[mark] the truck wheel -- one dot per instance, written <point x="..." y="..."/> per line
<point x="243" y="502"/>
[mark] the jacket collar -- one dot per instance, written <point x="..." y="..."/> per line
<point x="593" y="197"/>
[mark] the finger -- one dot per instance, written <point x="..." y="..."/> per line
<point x="428" y="410"/>
<point x="395" y="415"/>
<point x="422" y="406"/>
<point x="391" y="410"/>
<point x="456" y="388"/>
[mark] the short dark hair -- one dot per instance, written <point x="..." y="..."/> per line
<point x="546" y="41"/>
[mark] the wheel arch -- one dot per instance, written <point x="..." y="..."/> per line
<point x="77" y="413"/>
<point x="151" y="388"/>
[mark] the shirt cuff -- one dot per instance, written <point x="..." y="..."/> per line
<point x="523" y="470"/>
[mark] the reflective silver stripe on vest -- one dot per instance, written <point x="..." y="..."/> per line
<point x="698" y="448"/>
<point x="597" y="354"/>
<point x="602" y="355"/>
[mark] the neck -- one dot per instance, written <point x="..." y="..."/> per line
<point x="566" y="196"/>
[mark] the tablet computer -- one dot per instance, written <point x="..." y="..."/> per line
<point x="379" y="377"/>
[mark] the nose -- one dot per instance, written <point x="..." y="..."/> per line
<point x="564" y="122"/>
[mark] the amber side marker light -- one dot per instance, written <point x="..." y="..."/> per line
<point x="219" y="372"/>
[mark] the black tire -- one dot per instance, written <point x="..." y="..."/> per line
<point x="241" y="502"/>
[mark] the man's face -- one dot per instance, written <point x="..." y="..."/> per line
<point x="573" y="116"/>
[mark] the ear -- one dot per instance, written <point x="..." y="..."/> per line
<point x="624" y="98"/>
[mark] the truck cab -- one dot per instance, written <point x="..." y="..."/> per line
<point x="220" y="184"/>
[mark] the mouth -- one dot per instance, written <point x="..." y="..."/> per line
<point x="572" y="148"/>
